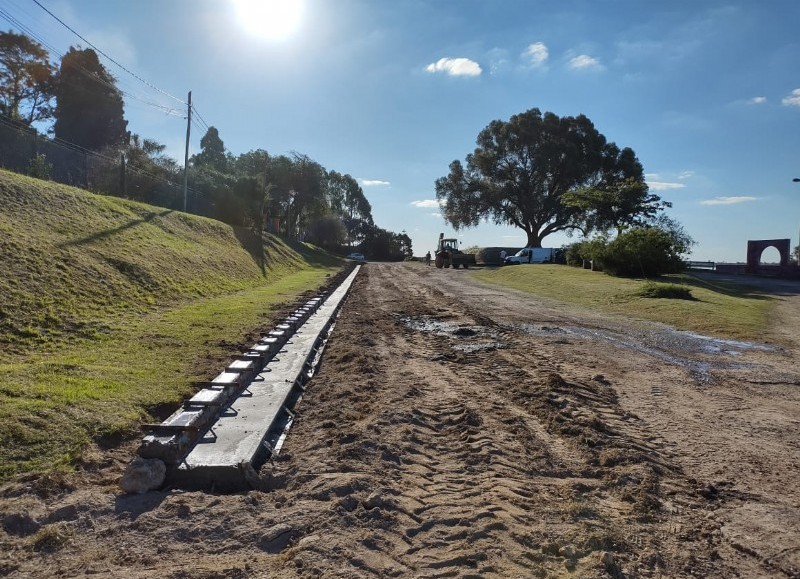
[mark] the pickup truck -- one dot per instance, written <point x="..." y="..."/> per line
<point x="532" y="255"/>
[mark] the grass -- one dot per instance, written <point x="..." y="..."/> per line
<point x="111" y="309"/>
<point x="721" y="310"/>
<point x="672" y="291"/>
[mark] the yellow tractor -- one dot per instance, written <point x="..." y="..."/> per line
<point x="447" y="254"/>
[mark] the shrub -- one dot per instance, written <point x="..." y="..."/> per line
<point x="643" y="251"/>
<point x="665" y="290"/>
<point x="40" y="168"/>
<point x="576" y="253"/>
<point x="328" y="232"/>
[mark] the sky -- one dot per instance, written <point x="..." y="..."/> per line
<point x="706" y="92"/>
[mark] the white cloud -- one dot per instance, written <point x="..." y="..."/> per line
<point x="374" y="183"/>
<point x="455" y="67"/>
<point x="536" y="55"/>
<point x="793" y="100"/>
<point x="757" y="100"/>
<point x="685" y="174"/>
<point x="664" y="186"/>
<point x="584" y="62"/>
<point x="649" y="176"/>
<point x="426" y="203"/>
<point x="728" y="200"/>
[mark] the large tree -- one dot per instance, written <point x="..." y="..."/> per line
<point x="89" y="106"/>
<point x="212" y="151"/>
<point x="346" y="199"/>
<point x="525" y="171"/>
<point x="26" y="79"/>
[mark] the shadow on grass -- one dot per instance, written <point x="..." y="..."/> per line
<point x="109" y="232"/>
<point x="259" y="245"/>
<point x="727" y="287"/>
<point x="253" y="243"/>
<point x="314" y="256"/>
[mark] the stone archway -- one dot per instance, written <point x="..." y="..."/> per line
<point x="756" y="248"/>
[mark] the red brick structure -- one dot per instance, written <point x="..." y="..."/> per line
<point x="756" y="248"/>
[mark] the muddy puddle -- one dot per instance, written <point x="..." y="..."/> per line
<point x="699" y="354"/>
<point x="468" y="338"/>
<point x="695" y="352"/>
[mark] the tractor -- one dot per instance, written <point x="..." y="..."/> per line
<point x="447" y="254"/>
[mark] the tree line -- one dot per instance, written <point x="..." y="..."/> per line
<point x="292" y="194"/>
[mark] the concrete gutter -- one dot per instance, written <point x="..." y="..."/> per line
<point x="231" y="427"/>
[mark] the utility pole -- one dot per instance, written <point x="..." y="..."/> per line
<point x="186" y="155"/>
<point x="123" y="176"/>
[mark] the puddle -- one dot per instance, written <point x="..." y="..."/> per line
<point x="718" y="345"/>
<point x="440" y="328"/>
<point x="695" y="352"/>
<point x="672" y="346"/>
<point x="471" y="338"/>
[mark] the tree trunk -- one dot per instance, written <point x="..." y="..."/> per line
<point x="533" y="240"/>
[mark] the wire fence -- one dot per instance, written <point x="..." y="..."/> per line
<point x="24" y="150"/>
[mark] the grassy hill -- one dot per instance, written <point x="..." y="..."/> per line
<point x="111" y="308"/>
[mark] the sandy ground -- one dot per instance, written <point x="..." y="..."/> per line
<point x="457" y="430"/>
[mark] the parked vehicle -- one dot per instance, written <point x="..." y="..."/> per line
<point x="532" y="255"/>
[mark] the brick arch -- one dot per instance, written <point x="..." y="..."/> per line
<point x="756" y="248"/>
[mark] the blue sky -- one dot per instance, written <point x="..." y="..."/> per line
<point x="706" y="92"/>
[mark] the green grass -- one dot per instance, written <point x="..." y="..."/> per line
<point x="721" y="310"/>
<point x="673" y="291"/>
<point x="111" y="309"/>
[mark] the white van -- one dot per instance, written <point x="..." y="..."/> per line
<point x="532" y="255"/>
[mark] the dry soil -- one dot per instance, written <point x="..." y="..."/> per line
<point x="455" y="430"/>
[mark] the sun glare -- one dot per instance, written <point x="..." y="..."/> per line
<point x="270" y="19"/>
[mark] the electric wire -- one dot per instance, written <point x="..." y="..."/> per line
<point x="197" y="119"/>
<point x="202" y="120"/>
<point x="133" y="74"/>
<point x="87" y="73"/>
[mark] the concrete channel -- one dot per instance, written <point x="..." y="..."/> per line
<point x="236" y="422"/>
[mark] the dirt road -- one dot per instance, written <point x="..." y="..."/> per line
<point x="455" y="429"/>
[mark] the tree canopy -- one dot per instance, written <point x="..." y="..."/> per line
<point x="288" y="194"/>
<point x="89" y="106"/>
<point x="26" y="79"/>
<point x="544" y="173"/>
<point x="212" y="151"/>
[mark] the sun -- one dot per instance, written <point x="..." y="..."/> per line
<point x="270" y="19"/>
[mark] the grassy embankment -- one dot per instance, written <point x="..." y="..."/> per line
<point x="717" y="309"/>
<point x="110" y="309"/>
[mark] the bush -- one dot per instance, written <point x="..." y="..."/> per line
<point x="576" y="253"/>
<point x="643" y="252"/>
<point x="665" y="290"/>
<point x="327" y="232"/>
<point x="40" y="167"/>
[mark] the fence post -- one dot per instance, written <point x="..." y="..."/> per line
<point x="123" y="176"/>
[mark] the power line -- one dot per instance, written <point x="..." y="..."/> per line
<point x="196" y="119"/>
<point x="29" y="32"/>
<point x="202" y="120"/>
<point x="133" y="74"/>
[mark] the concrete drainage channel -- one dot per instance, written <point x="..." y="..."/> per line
<point x="223" y="434"/>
